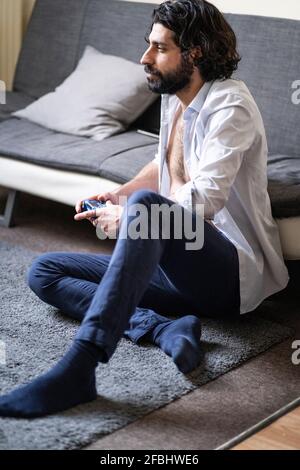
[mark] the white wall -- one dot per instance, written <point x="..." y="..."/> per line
<point x="278" y="8"/>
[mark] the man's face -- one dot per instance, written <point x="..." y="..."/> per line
<point x="168" y="71"/>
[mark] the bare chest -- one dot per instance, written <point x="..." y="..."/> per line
<point x="175" y="156"/>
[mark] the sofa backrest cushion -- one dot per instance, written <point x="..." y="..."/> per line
<point x="116" y="28"/>
<point x="270" y="50"/>
<point x="50" y="47"/>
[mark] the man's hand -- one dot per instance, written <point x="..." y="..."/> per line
<point x="108" y="218"/>
<point x="108" y="196"/>
<point x="105" y="197"/>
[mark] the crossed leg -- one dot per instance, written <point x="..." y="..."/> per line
<point x="69" y="281"/>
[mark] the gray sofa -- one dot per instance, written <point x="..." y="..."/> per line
<point x="64" y="168"/>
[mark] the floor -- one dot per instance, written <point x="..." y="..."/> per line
<point x="234" y="401"/>
<point x="284" y="434"/>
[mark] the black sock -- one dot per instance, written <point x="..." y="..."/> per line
<point x="180" y="339"/>
<point x="70" y="382"/>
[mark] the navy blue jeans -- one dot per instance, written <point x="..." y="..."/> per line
<point x="128" y="292"/>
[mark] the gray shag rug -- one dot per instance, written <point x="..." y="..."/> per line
<point x="136" y="381"/>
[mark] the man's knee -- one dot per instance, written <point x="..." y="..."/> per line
<point x="143" y="196"/>
<point x="41" y="272"/>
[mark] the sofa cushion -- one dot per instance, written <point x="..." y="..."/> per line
<point x="284" y="185"/>
<point x="270" y="50"/>
<point x="26" y="141"/>
<point x="14" y="102"/>
<point x="118" y="169"/>
<point x="100" y="98"/>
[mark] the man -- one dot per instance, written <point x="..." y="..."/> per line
<point x="212" y="154"/>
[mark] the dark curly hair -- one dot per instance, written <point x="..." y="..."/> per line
<point x="199" y="23"/>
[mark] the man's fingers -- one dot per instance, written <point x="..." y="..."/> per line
<point x="85" y="215"/>
<point x="105" y="197"/>
<point x="89" y="214"/>
<point x="78" y="206"/>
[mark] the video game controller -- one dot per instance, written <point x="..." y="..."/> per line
<point x="91" y="204"/>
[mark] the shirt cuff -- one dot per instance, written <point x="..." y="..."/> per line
<point x="184" y="196"/>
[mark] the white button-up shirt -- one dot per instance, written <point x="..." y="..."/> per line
<point x="225" y="153"/>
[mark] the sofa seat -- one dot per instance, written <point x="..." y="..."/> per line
<point x="67" y="187"/>
<point x="284" y="185"/>
<point x="284" y="191"/>
<point x="25" y="141"/>
<point x="14" y="102"/>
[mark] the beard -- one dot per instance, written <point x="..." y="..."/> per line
<point x="171" y="82"/>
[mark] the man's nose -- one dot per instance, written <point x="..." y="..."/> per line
<point x="146" y="58"/>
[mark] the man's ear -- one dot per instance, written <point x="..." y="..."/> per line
<point x="196" y="53"/>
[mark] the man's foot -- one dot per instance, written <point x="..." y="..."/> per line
<point x="70" y="382"/>
<point x="180" y="339"/>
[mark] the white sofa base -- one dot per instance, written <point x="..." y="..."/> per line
<point x="67" y="187"/>
<point x="58" y="185"/>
